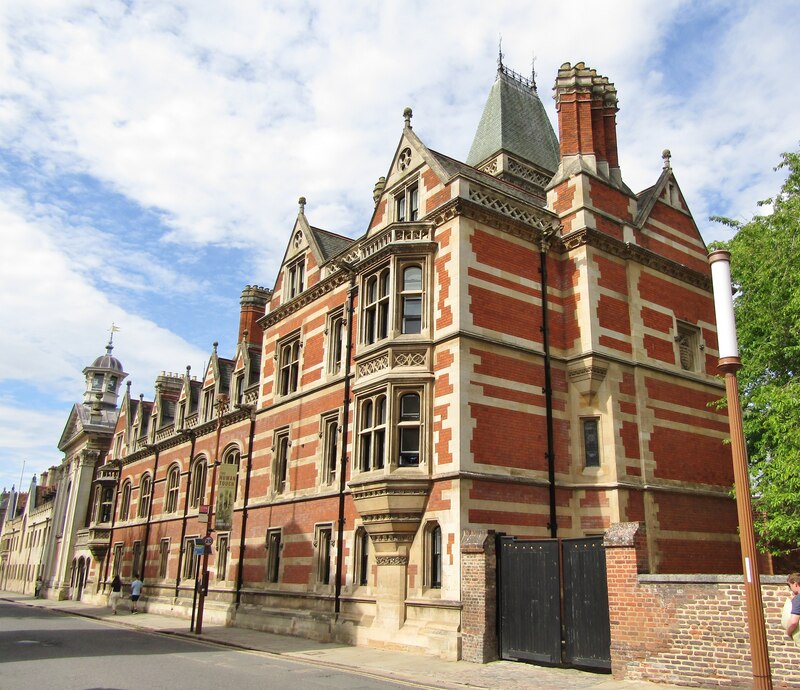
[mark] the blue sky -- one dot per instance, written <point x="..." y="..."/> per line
<point x="152" y="152"/>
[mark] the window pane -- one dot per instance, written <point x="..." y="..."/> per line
<point x="380" y="443"/>
<point x="409" y="407"/>
<point x="412" y="314"/>
<point x="413" y="203"/>
<point x="385" y="283"/>
<point x="412" y="278"/>
<point x="591" y="443"/>
<point x="409" y="446"/>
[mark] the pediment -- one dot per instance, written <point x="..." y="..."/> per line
<point x="73" y="427"/>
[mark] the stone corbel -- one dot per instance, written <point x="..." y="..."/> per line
<point x="586" y="374"/>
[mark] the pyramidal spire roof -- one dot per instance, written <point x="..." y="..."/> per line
<point x="514" y="120"/>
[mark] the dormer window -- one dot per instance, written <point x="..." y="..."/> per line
<point x="117" y="447"/>
<point x="295" y="278"/>
<point x="208" y="404"/>
<point x="406" y="205"/>
<point x="238" y="389"/>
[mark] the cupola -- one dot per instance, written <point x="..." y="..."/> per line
<point x="104" y="378"/>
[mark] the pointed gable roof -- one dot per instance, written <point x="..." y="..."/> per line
<point x="514" y="120"/>
<point x="80" y="420"/>
<point x="665" y="189"/>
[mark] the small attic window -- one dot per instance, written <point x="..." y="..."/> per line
<point x="112" y="384"/>
<point x="97" y="382"/>
<point x="406" y="204"/>
<point x="404" y="159"/>
<point x="295" y="278"/>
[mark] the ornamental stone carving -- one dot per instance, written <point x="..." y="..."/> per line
<point x="391" y="510"/>
<point x="373" y="365"/>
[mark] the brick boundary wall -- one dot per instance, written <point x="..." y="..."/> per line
<point x="478" y="596"/>
<point x="688" y="629"/>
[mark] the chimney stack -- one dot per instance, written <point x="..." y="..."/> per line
<point x="253" y="303"/>
<point x="587" y="105"/>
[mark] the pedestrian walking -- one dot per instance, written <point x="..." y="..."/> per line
<point x="136" y="592"/>
<point x="116" y="594"/>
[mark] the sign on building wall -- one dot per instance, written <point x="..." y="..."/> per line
<point x="226" y="490"/>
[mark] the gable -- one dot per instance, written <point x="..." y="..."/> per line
<point x="71" y="428"/>
<point x="412" y="164"/>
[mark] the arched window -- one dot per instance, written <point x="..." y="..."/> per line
<point x="376" y="307"/>
<point x="96" y="503"/>
<point x="434" y="556"/>
<point x="106" y="504"/>
<point x="145" y="494"/>
<point x="198" y="477"/>
<point x="173" y="489"/>
<point x="289" y="374"/>
<point x="408" y="429"/>
<point x="372" y="433"/>
<point x="362" y="556"/>
<point x="233" y="457"/>
<point x="125" y="501"/>
<point x="411" y="299"/>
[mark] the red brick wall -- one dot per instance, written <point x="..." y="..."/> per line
<point x="689" y="630"/>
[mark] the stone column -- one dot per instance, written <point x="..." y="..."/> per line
<point x="478" y="596"/>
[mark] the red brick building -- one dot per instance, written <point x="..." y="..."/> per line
<point x="517" y="343"/>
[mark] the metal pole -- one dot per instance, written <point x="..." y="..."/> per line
<point x="730" y="363"/>
<point x="194" y="596"/>
<point x="222" y="403"/>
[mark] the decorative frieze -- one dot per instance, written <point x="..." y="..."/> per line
<point x="633" y="252"/>
<point x="538" y="219"/>
<point x="374" y="365"/>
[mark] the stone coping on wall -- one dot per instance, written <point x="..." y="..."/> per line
<point x="705" y="578"/>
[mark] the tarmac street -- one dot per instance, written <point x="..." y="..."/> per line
<point x="362" y="667"/>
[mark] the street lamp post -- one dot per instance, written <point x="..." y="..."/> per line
<point x="729" y="364"/>
<point x="222" y="404"/>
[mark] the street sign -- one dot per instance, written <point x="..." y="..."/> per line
<point x="208" y="541"/>
<point x="199" y="550"/>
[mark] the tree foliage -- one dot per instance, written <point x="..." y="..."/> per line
<point x="765" y="269"/>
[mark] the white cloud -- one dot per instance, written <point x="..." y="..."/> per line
<point x="215" y="117"/>
<point x="60" y="318"/>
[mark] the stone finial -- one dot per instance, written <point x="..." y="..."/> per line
<point x="215" y="345"/>
<point x="407" y="115"/>
<point x="377" y="190"/>
<point x="302" y="203"/>
<point x="188" y="371"/>
<point x="666" y="155"/>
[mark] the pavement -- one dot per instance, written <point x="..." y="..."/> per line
<point x="395" y="666"/>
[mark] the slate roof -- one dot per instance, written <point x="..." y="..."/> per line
<point x="329" y="243"/>
<point x="514" y="120"/>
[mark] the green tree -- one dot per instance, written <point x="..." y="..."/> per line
<point x="765" y="269"/>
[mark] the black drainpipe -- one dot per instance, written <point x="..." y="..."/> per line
<point x="149" y="512"/>
<point x="240" y="566"/>
<point x="113" y="523"/>
<point x="544" y="247"/>
<point x="345" y="427"/>
<point x="192" y="436"/>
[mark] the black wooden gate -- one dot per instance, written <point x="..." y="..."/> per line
<point x="553" y="602"/>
